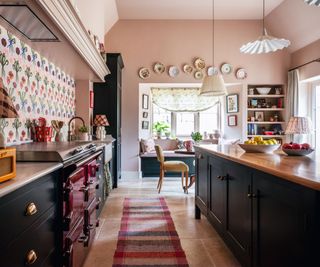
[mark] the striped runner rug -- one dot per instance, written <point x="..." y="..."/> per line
<point x="147" y="236"/>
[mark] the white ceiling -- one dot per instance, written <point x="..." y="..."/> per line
<point x="193" y="9"/>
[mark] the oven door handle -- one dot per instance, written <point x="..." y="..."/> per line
<point x="95" y="155"/>
<point x="85" y="190"/>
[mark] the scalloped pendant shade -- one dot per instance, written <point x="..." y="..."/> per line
<point x="312" y="2"/>
<point x="264" y="44"/>
<point x="213" y="86"/>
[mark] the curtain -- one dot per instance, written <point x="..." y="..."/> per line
<point x="293" y="98"/>
<point x="182" y="99"/>
<point x="293" y="93"/>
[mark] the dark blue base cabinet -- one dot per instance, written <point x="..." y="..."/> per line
<point x="265" y="220"/>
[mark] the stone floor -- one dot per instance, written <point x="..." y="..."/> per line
<point x="201" y="243"/>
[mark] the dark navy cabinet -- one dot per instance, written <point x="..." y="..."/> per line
<point x="107" y="101"/>
<point x="265" y="220"/>
<point x="30" y="224"/>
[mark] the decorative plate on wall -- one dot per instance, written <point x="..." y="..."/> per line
<point x="226" y="68"/>
<point x="241" y="74"/>
<point x="159" y="67"/>
<point x="199" y="63"/>
<point x="212" y="71"/>
<point x="144" y="73"/>
<point x="198" y="75"/>
<point x="187" y="68"/>
<point x="173" y="71"/>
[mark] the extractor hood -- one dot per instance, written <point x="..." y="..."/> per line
<point x="24" y="20"/>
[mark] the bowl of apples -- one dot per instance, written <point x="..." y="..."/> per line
<point x="259" y="145"/>
<point x="295" y="149"/>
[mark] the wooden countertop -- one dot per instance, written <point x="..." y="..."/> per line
<point x="303" y="170"/>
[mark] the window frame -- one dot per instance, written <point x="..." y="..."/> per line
<point x="173" y="126"/>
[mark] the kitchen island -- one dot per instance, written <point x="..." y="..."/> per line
<point x="264" y="206"/>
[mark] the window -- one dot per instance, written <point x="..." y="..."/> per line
<point x="317" y="118"/>
<point x="184" y="123"/>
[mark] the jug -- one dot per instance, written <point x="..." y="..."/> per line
<point x="188" y="145"/>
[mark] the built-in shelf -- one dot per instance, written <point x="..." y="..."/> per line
<point x="266" y="122"/>
<point x="265" y="109"/>
<point x="265" y="96"/>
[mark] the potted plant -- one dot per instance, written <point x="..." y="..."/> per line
<point x="196" y="137"/>
<point x="160" y="127"/>
<point x="83" y="133"/>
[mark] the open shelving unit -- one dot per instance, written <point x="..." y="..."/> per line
<point x="265" y="112"/>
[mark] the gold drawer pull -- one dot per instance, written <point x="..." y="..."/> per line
<point x="31" y="209"/>
<point x="31" y="257"/>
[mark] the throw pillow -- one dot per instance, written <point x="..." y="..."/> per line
<point x="148" y="145"/>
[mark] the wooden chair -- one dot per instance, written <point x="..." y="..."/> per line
<point x="172" y="166"/>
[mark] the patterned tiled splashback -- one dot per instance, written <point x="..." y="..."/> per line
<point x="37" y="87"/>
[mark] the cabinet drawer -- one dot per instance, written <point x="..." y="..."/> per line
<point x="37" y="244"/>
<point x="23" y="207"/>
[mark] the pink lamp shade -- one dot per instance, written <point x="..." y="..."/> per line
<point x="299" y="125"/>
<point x="101" y="120"/>
<point x="7" y="109"/>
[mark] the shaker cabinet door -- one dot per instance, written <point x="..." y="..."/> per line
<point x="202" y="181"/>
<point x="282" y="223"/>
<point x="239" y="211"/>
<point x="218" y="196"/>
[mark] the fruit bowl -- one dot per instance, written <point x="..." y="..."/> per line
<point x="297" y="152"/>
<point x="263" y="90"/>
<point x="249" y="148"/>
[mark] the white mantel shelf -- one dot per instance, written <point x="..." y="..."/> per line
<point x="64" y="16"/>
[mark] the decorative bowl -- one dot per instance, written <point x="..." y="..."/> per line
<point x="259" y="148"/>
<point x="297" y="152"/>
<point x="263" y="90"/>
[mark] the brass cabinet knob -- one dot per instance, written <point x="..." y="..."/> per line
<point x="31" y="257"/>
<point x="31" y="209"/>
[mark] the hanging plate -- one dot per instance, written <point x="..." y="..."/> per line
<point x="159" y="68"/>
<point x="199" y="63"/>
<point x="173" y="71"/>
<point x="144" y="73"/>
<point x="198" y="75"/>
<point x="187" y="68"/>
<point x="226" y="68"/>
<point x="212" y="71"/>
<point x="241" y="74"/>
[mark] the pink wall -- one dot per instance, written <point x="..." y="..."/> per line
<point x="296" y="21"/>
<point x="174" y="43"/>
<point x="304" y="55"/>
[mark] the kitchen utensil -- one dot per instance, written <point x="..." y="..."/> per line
<point x="263" y="90"/>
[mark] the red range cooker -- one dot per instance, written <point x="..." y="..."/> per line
<point x="79" y="210"/>
<point x="76" y="218"/>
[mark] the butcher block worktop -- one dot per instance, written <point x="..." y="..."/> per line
<point x="303" y="170"/>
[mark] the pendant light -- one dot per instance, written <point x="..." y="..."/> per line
<point x="213" y="85"/>
<point x="265" y="43"/>
<point x="312" y="2"/>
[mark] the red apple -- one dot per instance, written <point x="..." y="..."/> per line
<point x="305" y="146"/>
<point x="296" y="146"/>
<point x="287" y="146"/>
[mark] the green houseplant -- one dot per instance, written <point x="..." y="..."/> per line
<point x="83" y="133"/>
<point x="196" y="137"/>
<point x="159" y="127"/>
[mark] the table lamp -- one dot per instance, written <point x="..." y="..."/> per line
<point x="101" y="121"/>
<point x="299" y="125"/>
<point x="7" y="155"/>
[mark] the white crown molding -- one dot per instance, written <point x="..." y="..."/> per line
<point x="64" y="16"/>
